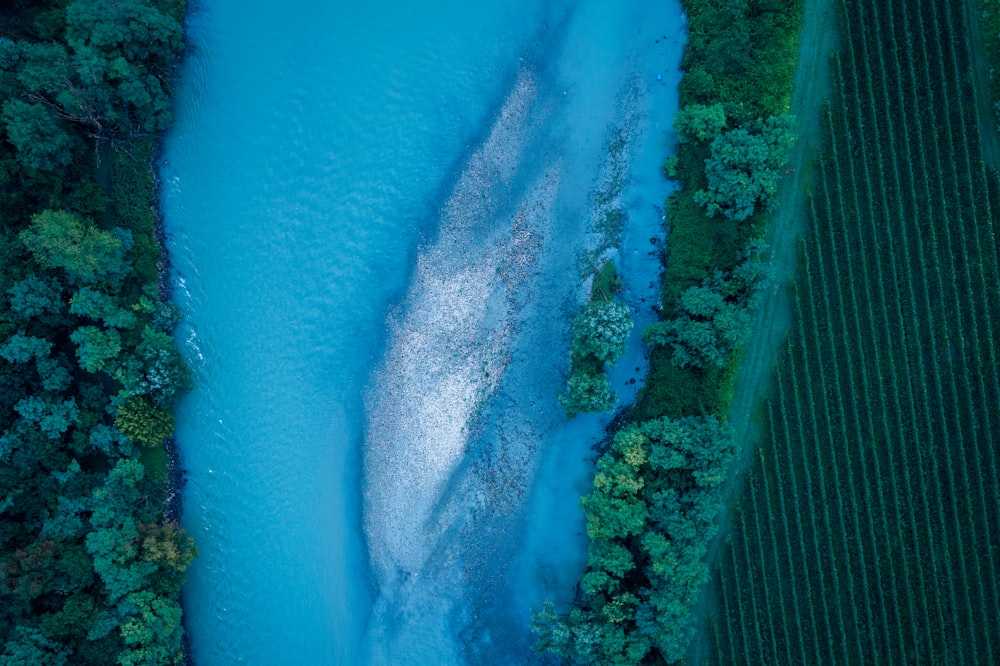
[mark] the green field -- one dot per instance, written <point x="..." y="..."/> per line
<point x="869" y="527"/>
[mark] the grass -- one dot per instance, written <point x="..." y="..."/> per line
<point x="154" y="459"/>
<point x="132" y="198"/>
<point x="606" y="283"/>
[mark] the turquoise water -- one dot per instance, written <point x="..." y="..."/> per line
<point x="376" y="217"/>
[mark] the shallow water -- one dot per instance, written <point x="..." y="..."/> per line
<point x="377" y="216"/>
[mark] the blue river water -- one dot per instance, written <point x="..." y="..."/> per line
<point x="378" y="216"/>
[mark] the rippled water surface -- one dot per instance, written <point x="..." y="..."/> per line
<point x="377" y="215"/>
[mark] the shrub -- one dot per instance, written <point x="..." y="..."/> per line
<point x="601" y="330"/>
<point x="745" y="167"/>
<point x="587" y="392"/>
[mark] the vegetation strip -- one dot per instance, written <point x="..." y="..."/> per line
<point x="660" y="488"/>
<point x="91" y="561"/>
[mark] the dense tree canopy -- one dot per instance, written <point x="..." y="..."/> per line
<point x="59" y="239"/>
<point x="587" y="392"/>
<point x="41" y="140"/>
<point x="649" y="518"/>
<point x="90" y="569"/>
<point x="601" y="330"/>
<point x="111" y="77"/>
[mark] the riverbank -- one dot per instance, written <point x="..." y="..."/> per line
<point x="175" y="473"/>
<point x="634" y="597"/>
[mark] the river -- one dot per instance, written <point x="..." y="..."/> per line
<point x="378" y="216"/>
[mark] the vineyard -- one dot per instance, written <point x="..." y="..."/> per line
<point x="869" y="527"/>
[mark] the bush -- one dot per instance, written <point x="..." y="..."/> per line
<point x="698" y="122"/>
<point x="143" y="423"/>
<point x="587" y="392"/>
<point x="606" y="283"/>
<point x="601" y="330"/>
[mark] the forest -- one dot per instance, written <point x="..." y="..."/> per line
<point x="91" y="559"/>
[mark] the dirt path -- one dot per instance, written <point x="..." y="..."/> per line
<point x="986" y="117"/>
<point x="811" y="87"/>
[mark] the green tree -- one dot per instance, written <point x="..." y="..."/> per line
<point x="151" y="630"/>
<point x="749" y="273"/>
<point x="698" y="122"/>
<point x="553" y="634"/>
<point x="96" y="348"/>
<point x="71" y="621"/>
<point x="587" y="392"/>
<point x="90" y="302"/>
<point x="165" y="317"/>
<point x="701" y="445"/>
<point x="700" y="82"/>
<point x="49" y="76"/>
<point x="54" y="373"/>
<point x="29" y="647"/>
<point x="58" y="239"/>
<point x="126" y="48"/>
<point x="599" y="335"/>
<point x="707" y="330"/>
<point x="67" y="521"/>
<point x="156" y="370"/>
<point x="600" y="331"/>
<point x="114" y="539"/>
<point x="21" y="348"/>
<point x="110" y="441"/>
<point x="745" y="167"/>
<point x="141" y="567"/>
<point x="52" y="416"/>
<point x="113" y="80"/>
<point x="96" y="304"/>
<point x="143" y="423"/>
<point x="40" y="137"/>
<point x="168" y="547"/>
<point x="35" y="297"/>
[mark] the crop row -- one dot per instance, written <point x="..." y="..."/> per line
<point x="869" y="527"/>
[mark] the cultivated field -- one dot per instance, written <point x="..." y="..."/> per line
<point x="869" y="528"/>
